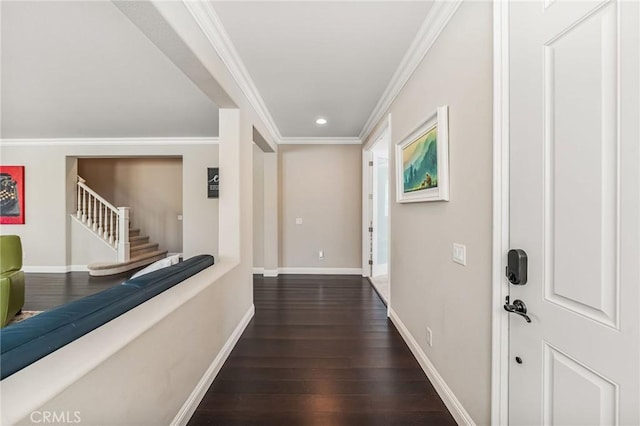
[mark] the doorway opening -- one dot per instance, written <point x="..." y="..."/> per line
<point x="376" y="242"/>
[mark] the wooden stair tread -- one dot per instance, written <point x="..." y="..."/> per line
<point x="138" y="238"/>
<point x="143" y="246"/>
<point x="100" y="269"/>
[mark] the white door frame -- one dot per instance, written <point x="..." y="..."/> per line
<point x="500" y="232"/>
<point x="366" y="190"/>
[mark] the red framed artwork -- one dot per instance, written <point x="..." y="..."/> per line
<point x="12" y="195"/>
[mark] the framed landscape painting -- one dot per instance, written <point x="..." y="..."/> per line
<point x="12" y="195"/>
<point x="422" y="161"/>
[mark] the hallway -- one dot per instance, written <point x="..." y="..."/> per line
<point x="320" y="351"/>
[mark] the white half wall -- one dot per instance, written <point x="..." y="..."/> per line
<point x="148" y="365"/>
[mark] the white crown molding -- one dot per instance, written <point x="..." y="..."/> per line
<point x="209" y="22"/>
<point x="206" y="17"/>
<point x="107" y="141"/>
<point x="320" y="141"/>
<point x="437" y="19"/>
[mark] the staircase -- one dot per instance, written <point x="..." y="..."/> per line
<point x="112" y="225"/>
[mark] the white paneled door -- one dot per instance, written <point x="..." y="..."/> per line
<point x="575" y="211"/>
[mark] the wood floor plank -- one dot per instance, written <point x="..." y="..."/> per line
<point x="274" y="403"/>
<point x="320" y="350"/>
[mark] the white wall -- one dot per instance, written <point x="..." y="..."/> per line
<point x="88" y="247"/>
<point x="48" y="184"/>
<point x="427" y="288"/>
<point x="151" y="187"/>
<point x="258" y="207"/>
<point x="321" y="184"/>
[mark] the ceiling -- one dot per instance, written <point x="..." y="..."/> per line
<point x="330" y="59"/>
<point x="81" y="69"/>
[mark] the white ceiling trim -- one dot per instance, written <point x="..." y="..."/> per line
<point x="437" y="19"/>
<point x="320" y="141"/>
<point x="106" y="141"/>
<point x="211" y="25"/>
<point x="206" y="17"/>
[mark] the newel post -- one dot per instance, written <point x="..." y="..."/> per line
<point x="123" y="234"/>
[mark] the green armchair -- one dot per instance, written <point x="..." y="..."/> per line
<point x="11" y="278"/>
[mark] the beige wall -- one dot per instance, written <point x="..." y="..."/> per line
<point x="258" y="207"/>
<point x="427" y="288"/>
<point x="151" y="187"/>
<point x="322" y="185"/>
<point x="49" y="188"/>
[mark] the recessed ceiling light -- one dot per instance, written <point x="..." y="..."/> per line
<point x="321" y="121"/>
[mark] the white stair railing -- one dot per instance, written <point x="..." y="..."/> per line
<point x="107" y="221"/>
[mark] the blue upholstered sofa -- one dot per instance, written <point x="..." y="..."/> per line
<point x="26" y="342"/>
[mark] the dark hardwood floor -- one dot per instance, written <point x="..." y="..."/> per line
<point x="46" y="291"/>
<point x="320" y="351"/>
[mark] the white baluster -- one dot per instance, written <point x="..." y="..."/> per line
<point x="89" y="216"/>
<point x="79" y="213"/>
<point x="105" y="225"/>
<point x="84" y="200"/>
<point x="95" y="214"/>
<point x="100" y="225"/>
<point x="116" y="234"/>
<point x="123" y="234"/>
<point x="111" y="240"/>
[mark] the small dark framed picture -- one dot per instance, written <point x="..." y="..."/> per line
<point x="213" y="182"/>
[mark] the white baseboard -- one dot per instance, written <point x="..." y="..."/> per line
<point x="307" y="271"/>
<point x="190" y="405"/>
<point x="270" y="273"/>
<point x="78" y="268"/>
<point x="321" y="271"/>
<point x="453" y="404"/>
<point x="54" y="269"/>
<point x="45" y="269"/>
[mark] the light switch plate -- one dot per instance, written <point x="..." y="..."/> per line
<point x="460" y="254"/>
<point x="298" y="221"/>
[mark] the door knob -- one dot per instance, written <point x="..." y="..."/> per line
<point x="518" y="307"/>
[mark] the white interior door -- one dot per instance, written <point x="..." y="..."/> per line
<point x="575" y="190"/>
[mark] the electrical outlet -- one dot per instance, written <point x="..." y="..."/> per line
<point x="321" y="254"/>
<point x="298" y="221"/>
<point x="429" y="337"/>
<point x="460" y="254"/>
